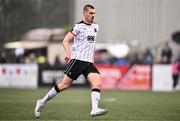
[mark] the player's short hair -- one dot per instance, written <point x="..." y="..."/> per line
<point x="88" y="6"/>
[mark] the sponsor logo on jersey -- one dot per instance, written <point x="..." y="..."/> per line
<point x="91" y="39"/>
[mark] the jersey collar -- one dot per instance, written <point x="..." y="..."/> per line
<point x="85" y="23"/>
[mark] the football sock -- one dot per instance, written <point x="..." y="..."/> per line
<point x="52" y="93"/>
<point x="95" y="97"/>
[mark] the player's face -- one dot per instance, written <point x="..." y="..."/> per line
<point x="89" y="15"/>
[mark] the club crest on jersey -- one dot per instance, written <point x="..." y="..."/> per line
<point x="95" y="30"/>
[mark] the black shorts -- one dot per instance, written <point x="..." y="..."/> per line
<point x="77" y="67"/>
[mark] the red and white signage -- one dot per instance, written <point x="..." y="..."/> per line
<point x="111" y="75"/>
<point x="138" y="77"/>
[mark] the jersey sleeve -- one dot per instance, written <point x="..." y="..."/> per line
<point x="97" y="28"/>
<point x="75" y="30"/>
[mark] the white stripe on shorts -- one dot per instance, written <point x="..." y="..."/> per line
<point x="70" y="66"/>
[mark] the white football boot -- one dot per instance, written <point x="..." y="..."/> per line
<point x="38" y="108"/>
<point x="99" y="112"/>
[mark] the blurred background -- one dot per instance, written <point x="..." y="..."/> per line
<point x="138" y="45"/>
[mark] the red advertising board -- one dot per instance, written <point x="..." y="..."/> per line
<point x="111" y="75"/>
<point x="138" y="77"/>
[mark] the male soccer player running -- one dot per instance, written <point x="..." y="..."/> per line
<point x="80" y="61"/>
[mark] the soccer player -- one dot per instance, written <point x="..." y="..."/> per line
<point x="80" y="61"/>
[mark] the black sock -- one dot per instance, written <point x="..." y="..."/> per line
<point x="96" y="90"/>
<point x="57" y="89"/>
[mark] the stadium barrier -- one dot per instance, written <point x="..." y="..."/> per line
<point x="125" y="77"/>
<point x="18" y="76"/>
<point x="137" y="77"/>
<point x="162" y="78"/>
<point x="50" y="75"/>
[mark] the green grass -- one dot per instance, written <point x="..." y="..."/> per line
<point x="75" y="105"/>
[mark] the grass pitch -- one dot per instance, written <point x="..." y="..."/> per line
<point x="75" y="105"/>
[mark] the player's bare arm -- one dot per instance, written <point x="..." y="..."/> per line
<point x="67" y="46"/>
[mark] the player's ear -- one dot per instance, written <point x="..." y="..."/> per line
<point x="84" y="12"/>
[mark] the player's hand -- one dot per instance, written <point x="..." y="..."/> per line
<point x="67" y="58"/>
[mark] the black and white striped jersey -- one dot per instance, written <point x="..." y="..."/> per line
<point x="84" y="41"/>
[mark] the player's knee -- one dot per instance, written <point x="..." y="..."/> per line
<point x="96" y="84"/>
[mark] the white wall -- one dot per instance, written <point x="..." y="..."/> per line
<point x="149" y="21"/>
